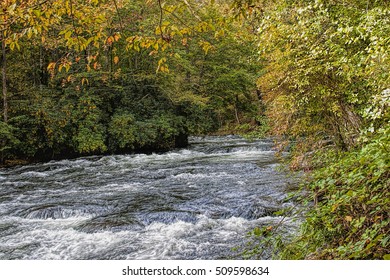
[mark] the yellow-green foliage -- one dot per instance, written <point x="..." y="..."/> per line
<point x="87" y="77"/>
<point x="326" y="86"/>
<point x="325" y="61"/>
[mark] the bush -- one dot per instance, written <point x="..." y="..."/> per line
<point x="122" y="131"/>
<point x="8" y="139"/>
<point x="351" y="217"/>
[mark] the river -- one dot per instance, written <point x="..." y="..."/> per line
<point x="193" y="203"/>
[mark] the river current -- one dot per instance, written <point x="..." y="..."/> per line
<point x="193" y="203"/>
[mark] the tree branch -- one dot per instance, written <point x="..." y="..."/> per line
<point x="119" y="15"/>
<point x="161" y="18"/>
<point x="191" y="10"/>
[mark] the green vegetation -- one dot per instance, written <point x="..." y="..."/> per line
<point x="95" y="77"/>
<point x="351" y="217"/>
<point x="106" y="76"/>
<point x="326" y="90"/>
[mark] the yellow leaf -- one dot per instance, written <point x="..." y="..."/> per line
<point x="37" y="13"/>
<point x="164" y="69"/>
<point x="116" y="60"/>
<point x="162" y="60"/>
<point x="29" y="33"/>
<point x="206" y="46"/>
<point x="11" y="8"/>
<point x="348" y="218"/>
<point x="84" y="81"/>
<point x="68" y="34"/>
<point x="51" y="66"/>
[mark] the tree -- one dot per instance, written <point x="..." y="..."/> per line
<point x="320" y="59"/>
<point x="101" y="76"/>
<point x="326" y="87"/>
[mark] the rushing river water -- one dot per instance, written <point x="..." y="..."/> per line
<point x="194" y="203"/>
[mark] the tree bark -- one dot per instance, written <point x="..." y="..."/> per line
<point x="5" y="101"/>
<point x="236" y="110"/>
<point x="4" y="80"/>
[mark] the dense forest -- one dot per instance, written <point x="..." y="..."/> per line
<point x="117" y="76"/>
<point x="91" y="77"/>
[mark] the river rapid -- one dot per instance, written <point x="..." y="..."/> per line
<point x="193" y="203"/>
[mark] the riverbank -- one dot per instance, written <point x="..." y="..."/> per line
<point x="351" y="195"/>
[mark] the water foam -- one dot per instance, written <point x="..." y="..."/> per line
<point x="194" y="203"/>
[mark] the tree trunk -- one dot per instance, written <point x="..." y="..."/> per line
<point x="4" y="80"/>
<point x="236" y="115"/>
<point x="41" y="68"/>
<point x="5" y="101"/>
<point x="236" y="110"/>
<point x="188" y="73"/>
